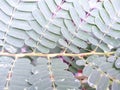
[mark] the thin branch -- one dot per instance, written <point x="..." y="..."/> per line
<point x="56" y="54"/>
<point x="102" y="72"/>
<point x="50" y="69"/>
<point x="10" y="74"/>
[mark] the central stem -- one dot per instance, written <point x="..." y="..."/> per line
<point x="56" y="54"/>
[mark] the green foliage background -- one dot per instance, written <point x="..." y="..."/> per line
<point x="62" y="27"/>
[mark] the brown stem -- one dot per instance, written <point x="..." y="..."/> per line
<point x="56" y="54"/>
